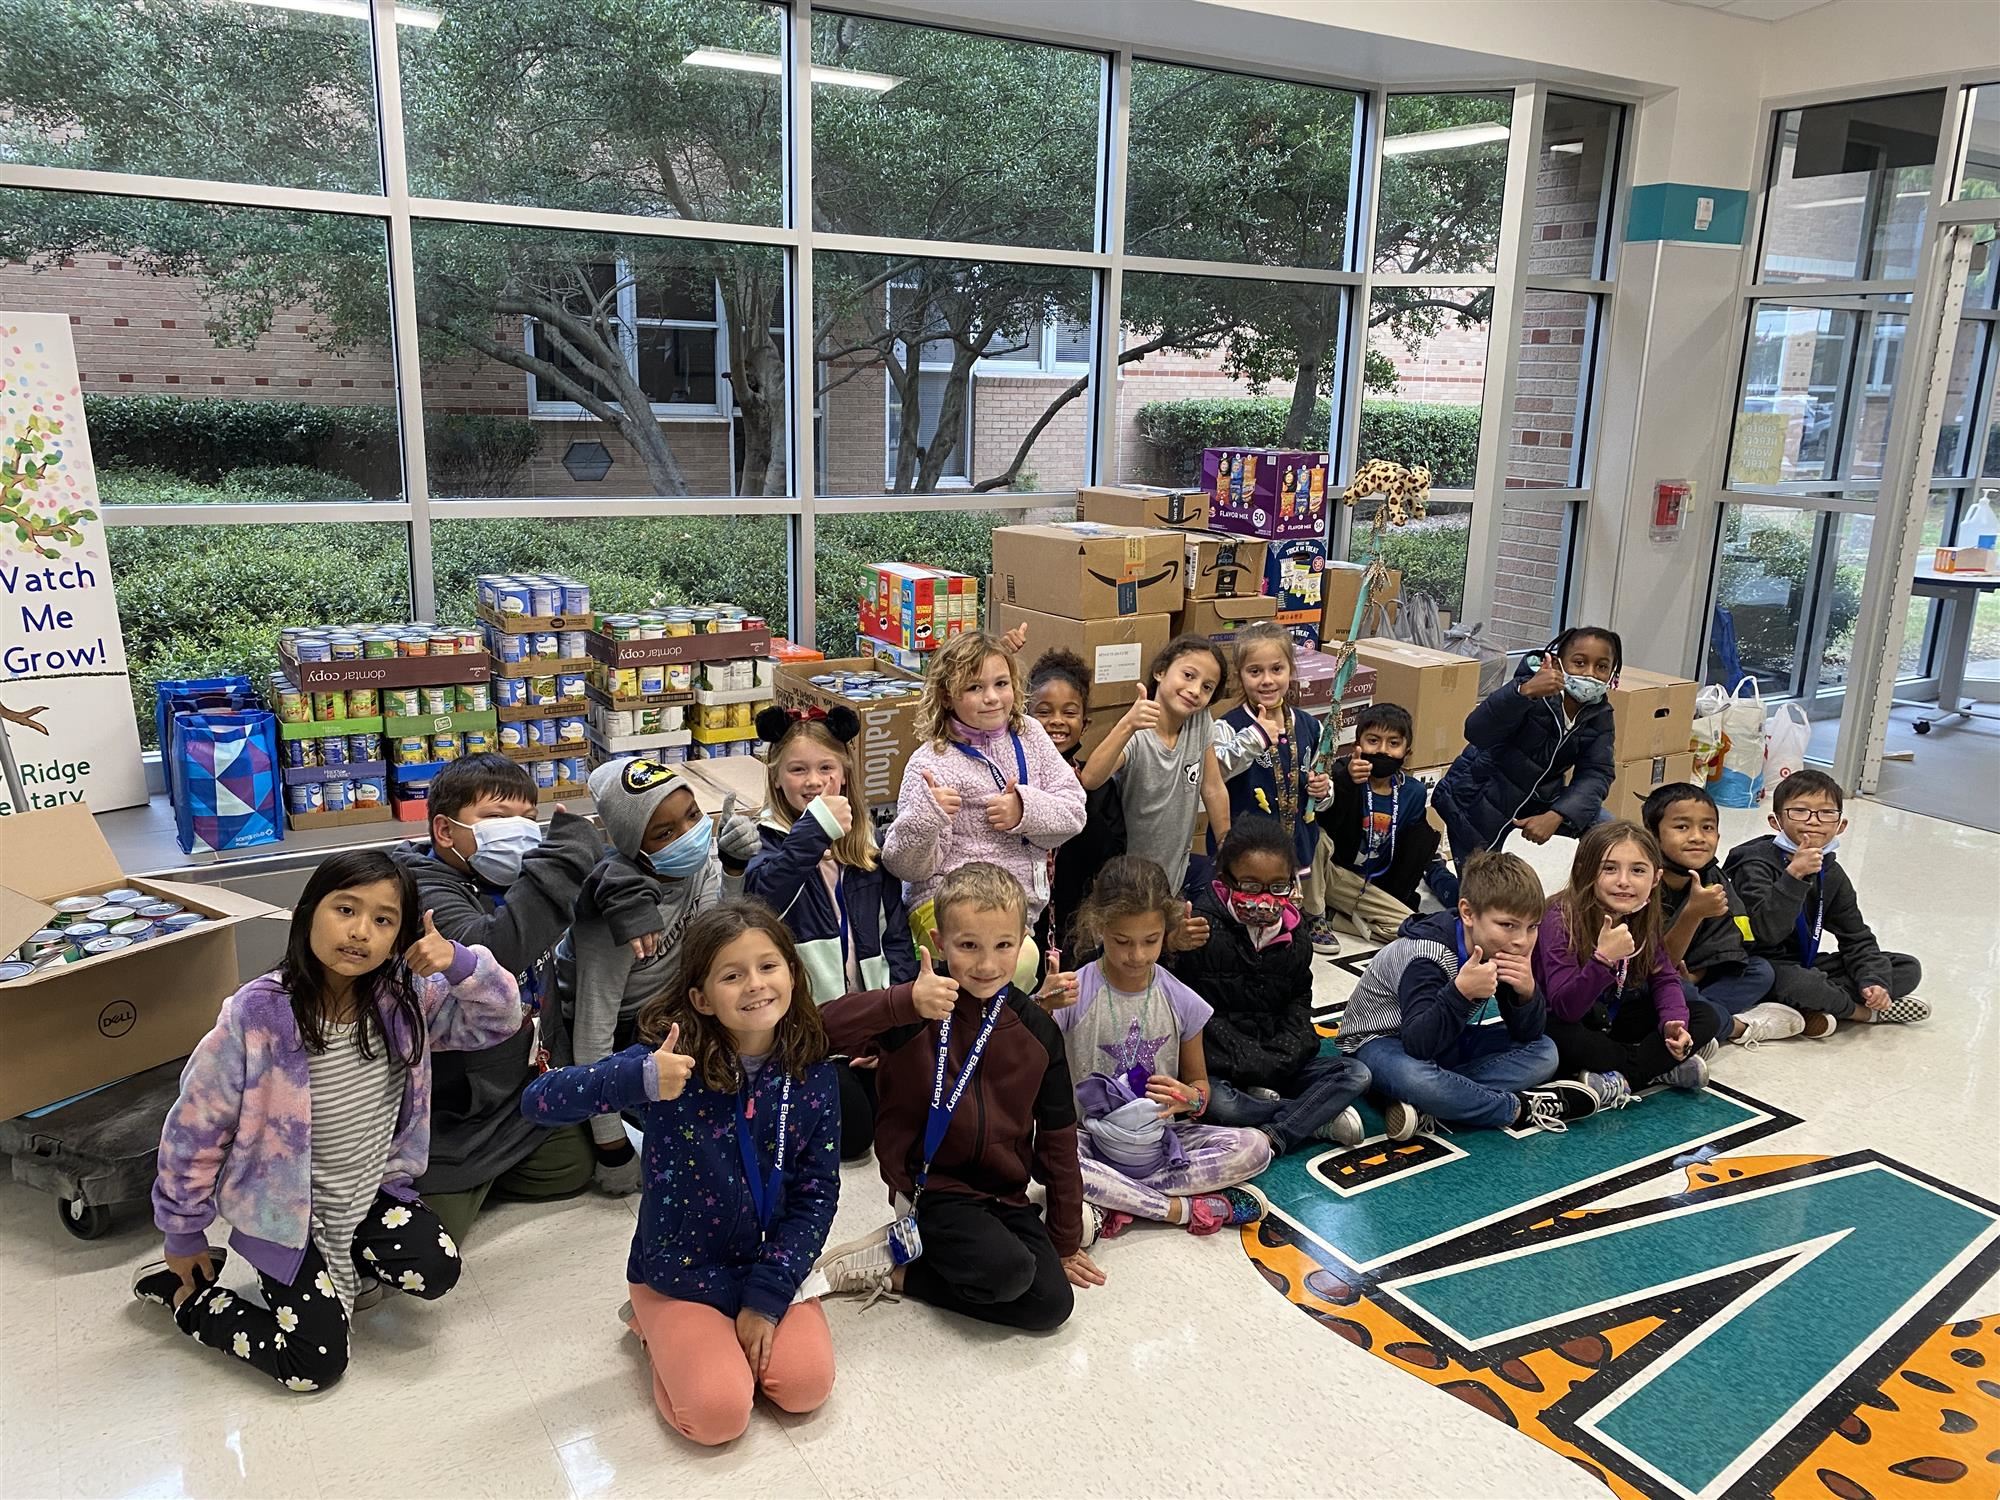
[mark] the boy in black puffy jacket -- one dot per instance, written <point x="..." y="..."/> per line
<point x="1538" y="754"/>
<point x="1268" y="1065"/>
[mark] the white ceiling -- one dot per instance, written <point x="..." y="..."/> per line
<point x="1757" y="10"/>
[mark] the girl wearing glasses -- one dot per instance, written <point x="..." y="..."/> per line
<point x="1268" y="1066"/>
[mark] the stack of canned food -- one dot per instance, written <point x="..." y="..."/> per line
<point x="550" y="690"/>
<point x="86" y="926"/>
<point x="541" y="594"/>
<point x="657" y="624"/>
<point x="867" y="687"/>
<point x="375" y="641"/>
<point x="294" y="705"/>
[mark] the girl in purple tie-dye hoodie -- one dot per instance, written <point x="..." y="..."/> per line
<point x="304" y="1117"/>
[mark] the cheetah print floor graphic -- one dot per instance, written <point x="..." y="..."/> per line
<point x="1735" y="1362"/>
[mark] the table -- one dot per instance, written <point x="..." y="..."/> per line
<point x="1959" y="593"/>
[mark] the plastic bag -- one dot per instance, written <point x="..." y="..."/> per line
<point x="1741" y="783"/>
<point x="1463" y="640"/>
<point x="1786" y="734"/>
<point x="1708" y="737"/>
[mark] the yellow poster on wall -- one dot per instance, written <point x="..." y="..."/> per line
<point x="1758" y="454"/>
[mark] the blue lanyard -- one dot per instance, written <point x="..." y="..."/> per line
<point x="1809" y="932"/>
<point x="999" y="777"/>
<point x="764" y="1187"/>
<point x="1490" y="1006"/>
<point x="840" y="909"/>
<point x="943" y="1107"/>
<point x="1370" y="870"/>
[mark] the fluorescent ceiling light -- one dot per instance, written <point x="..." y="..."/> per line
<point x="1567" y="148"/>
<point x="761" y="62"/>
<point x="1831" y="202"/>
<point x="1444" y="140"/>
<point x="406" y="15"/>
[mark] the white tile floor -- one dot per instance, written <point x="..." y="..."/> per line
<point x="1185" y="1375"/>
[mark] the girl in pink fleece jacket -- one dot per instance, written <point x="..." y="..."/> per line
<point x="305" y="1116"/>
<point x="988" y="785"/>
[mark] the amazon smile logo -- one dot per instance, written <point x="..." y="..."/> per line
<point x="1165" y="575"/>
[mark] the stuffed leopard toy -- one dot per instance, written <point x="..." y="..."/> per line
<point x="1406" y="492"/>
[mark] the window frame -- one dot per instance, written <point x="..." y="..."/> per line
<point x="723" y="409"/>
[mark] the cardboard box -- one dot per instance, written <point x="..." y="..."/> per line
<point x="1086" y="571"/>
<point x="727" y="645"/>
<point x="889" y="732"/>
<point x="1220" y="619"/>
<point x="1437" y="688"/>
<point x="508" y="624"/>
<point x="1653" y="714"/>
<point x="1340" y="589"/>
<point x="1117" y="652"/>
<point x="386" y="671"/>
<point x="1638" y="778"/>
<point x="1221" y="566"/>
<point x="1315" y="673"/>
<point x="1292" y="577"/>
<point x="1269" y="492"/>
<point x="1962" y="560"/>
<point x="1143" y="505"/>
<point x="80" y="1025"/>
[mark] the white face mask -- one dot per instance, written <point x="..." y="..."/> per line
<point x="502" y="843"/>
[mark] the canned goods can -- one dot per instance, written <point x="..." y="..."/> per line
<point x="107" y="944"/>
<point x="11" y="971"/>
<point x="739" y="716"/>
<point x="510" y="692"/>
<point x="48" y="940"/>
<point x="333" y="750"/>
<point x="624" y="682"/>
<point x="514" y="736"/>
<point x="182" y="922"/>
<point x="402" y="703"/>
<point x="298" y="754"/>
<point x="108" y="912"/>
<point x="651" y="630"/>
<point x="544" y="773"/>
<point x="569" y="686"/>
<point x="363" y="748"/>
<point x="363" y="703"/>
<point x="138" y="929"/>
<point x="510" y="596"/>
<point x="571" y="768"/>
<point x="754" y="622"/>
<point x="619" y="627"/>
<point x="334" y="796"/>
<point x="444" y="746"/>
<point x="158" y="911"/>
<point x="511" y="647"/>
<point x="304" y="796"/>
<point x="412" y="750"/>
<point x="545" y="598"/>
<point x="293" y="706"/>
<point x="652" y="681"/>
<point x="680" y="679"/>
<point x="569" y="729"/>
<point x="344" y="648"/>
<point x="311" y="648"/>
<point x="470" y="641"/>
<point x="79" y="933"/>
<point x="680" y="625"/>
<point x="413" y="645"/>
<point x="545" y="643"/>
<point x="329" y="708"/>
<point x="542" y="689"/>
<point x="550" y="731"/>
<point x="436" y="700"/>
<point x="475" y="741"/>
<point x="444" y="643"/>
<point x="366" y="792"/>
<point x="575" y="597"/>
<point x="472" y="697"/>
<point x="574" y="645"/>
<point x="376" y="647"/>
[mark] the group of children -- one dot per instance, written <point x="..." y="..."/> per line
<point x="485" y="1014"/>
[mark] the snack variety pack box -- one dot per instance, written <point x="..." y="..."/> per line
<point x="919" y="608"/>
<point x="1084" y="570"/>
<point x="1292" y="576"/>
<point x="1267" y="492"/>
<point x="1143" y="505"/>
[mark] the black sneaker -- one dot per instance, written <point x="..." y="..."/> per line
<point x="1553" y="1105"/>
<point x="153" y="1282"/>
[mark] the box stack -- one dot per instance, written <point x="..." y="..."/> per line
<point x="535" y="628"/>
<point x="367" y="714"/>
<point x="1105" y="592"/>
<point x="1653" y="716"/>
<point x="1340" y="589"/>
<point x="883" y="697"/>
<point x="1143" y="505"/>
<point x="1277" y="493"/>
<point x="915" y="610"/>
<point x="1340" y="720"/>
<point x="678" y="684"/>
<point x="1437" y="688"/>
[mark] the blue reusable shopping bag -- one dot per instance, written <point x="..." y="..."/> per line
<point x="194" y="695"/>
<point x="225" y="767"/>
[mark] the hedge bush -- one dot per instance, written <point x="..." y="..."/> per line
<point x="208" y="439"/>
<point x="1409" y="432"/>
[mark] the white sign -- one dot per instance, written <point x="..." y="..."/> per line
<point x="65" y="695"/>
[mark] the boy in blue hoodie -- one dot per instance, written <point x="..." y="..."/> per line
<point x="1447" y="1019"/>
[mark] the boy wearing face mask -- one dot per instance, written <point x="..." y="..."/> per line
<point x="667" y="864"/>
<point x="1382" y="843"/>
<point x="492" y="878"/>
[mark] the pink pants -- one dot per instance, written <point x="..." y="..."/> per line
<point x="702" y="1382"/>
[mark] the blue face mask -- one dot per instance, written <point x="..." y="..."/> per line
<point x="1787" y="843"/>
<point x="1585" y="690"/>
<point x="685" y="854"/>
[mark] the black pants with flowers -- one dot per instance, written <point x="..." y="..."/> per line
<point x="299" y="1336"/>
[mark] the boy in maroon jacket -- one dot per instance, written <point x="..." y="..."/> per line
<point x="979" y="1246"/>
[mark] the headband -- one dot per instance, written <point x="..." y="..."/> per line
<point x="774" y="723"/>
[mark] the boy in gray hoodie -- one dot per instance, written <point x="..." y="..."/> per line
<point x="666" y="864"/>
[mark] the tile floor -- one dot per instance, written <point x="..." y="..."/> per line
<point x="1185" y="1375"/>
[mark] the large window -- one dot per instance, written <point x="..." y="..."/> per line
<point x="1848" y="186"/>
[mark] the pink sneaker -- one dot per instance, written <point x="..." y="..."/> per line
<point x="1212" y="1212"/>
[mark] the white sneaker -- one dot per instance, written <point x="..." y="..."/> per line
<point x="866" y="1265"/>
<point x="1709" y="1048"/>
<point x="1269" y="1096"/>
<point x="1344" y="1129"/>
<point x="1093" y="1222"/>
<point x="370" y="1293"/>
<point x="1401" y="1121"/>
<point x="1769" y="1022"/>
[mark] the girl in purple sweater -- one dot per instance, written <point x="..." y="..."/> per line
<point x="305" y="1116"/>
<point x="987" y="785"/>
<point x="1617" y="1013"/>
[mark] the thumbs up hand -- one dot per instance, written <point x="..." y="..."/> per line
<point x="1707" y="901"/>
<point x="1191" y="933"/>
<point x="946" y="797"/>
<point x="1058" y="989"/>
<point x="1615" y="944"/>
<point x="934" y="994"/>
<point x="1478" y="977"/>
<point x="673" y="1066"/>
<point x="429" y="954"/>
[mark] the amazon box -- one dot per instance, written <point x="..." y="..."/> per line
<point x="1117" y="652"/>
<point x="1083" y="570"/>
<point x="1143" y="505"/>
<point x="1220" y="566"/>
<point x="1340" y="591"/>
<point x="77" y="1026"/>
<point x="1438" y="689"/>
<point x="1221" y="619"/>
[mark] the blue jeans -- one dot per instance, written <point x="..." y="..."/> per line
<point x="1472" y="1084"/>
<point x="1727" y="996"/>
<point x="1315" y="1094"/>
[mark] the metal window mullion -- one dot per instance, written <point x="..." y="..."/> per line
<point x="1102" y="457"/>
<point x="1364" y="209"/>
<point x="529" y="507"/>
<point x="191" y="189"/>
<point x="1240" y="270"/>
<point x="311" y="512"/>
<point x="1517" y="225"/>
<point x="803" y="439"/>
<point x="900" y="247"/>
<point x="1440" y="278"/>
<point x="532" y="216"/>
<point x="403" y="307"/>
